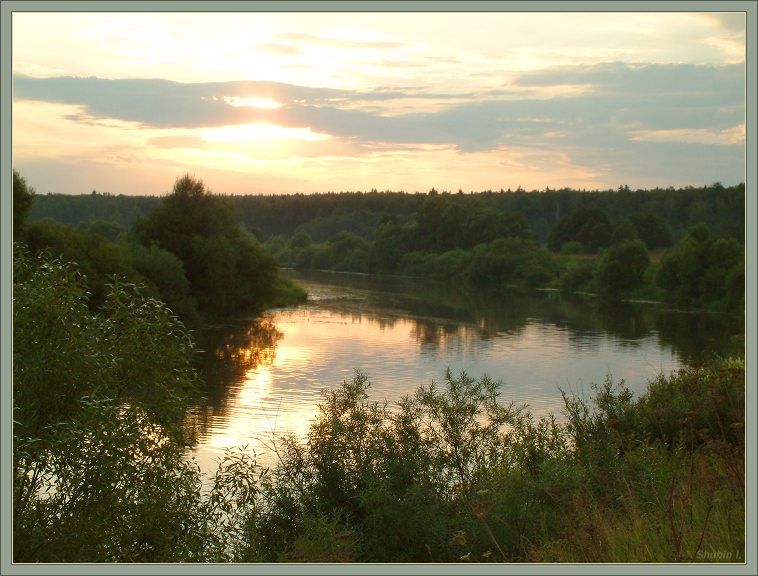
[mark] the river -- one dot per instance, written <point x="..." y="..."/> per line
<point x="265" y="376"/>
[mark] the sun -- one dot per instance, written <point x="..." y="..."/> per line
<point x="257" y="132"/>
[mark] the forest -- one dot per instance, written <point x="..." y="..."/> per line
<point x="108" y="291"/>
<point x="685" y="246"/>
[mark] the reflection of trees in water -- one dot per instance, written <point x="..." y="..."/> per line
<point x="229" y="352"/>
<point x="695" y="336"/>
<point x="443" y="312"/>
<point x="481" y="315"/>
<point x="589" y="319"/>
<point x="431" y="335"/>
<point x="446" y="315"/>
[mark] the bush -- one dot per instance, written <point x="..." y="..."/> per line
<point x="572" y="247"/>
<point x="99" y="431"/>
<point x="99" y="404"/>
<point x="621" y="268"/>
<point x="578" y="275"/>
<point x="705" y="272"/>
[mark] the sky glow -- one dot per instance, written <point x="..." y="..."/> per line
<point x="270" y="102"/>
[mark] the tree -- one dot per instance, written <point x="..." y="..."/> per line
<point x="166" y="272"/>
<point x="623" y="231"/>
<point x="300" y="240"/>
<point x="189" y="211"/>
<point x="96" y="257"/>
<point x="98" y="430"/>
<point x="591" y="227"/>
<point x="23" y="197"/>
<point x="622" y="267"/>
<point x="652" y="230"/>
<point x="705" y="272"/>
<point x="227" y="268"/>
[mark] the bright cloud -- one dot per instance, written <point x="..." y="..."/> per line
<point x="287" y="102"/>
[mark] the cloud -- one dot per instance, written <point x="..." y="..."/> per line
<point x="599" y="114"/>
<point x="726" y="137"/>
<point x="732" y="22"/>
<point x="350" y="38"/>
<point x="279" y="48"/>
<point x="184" y="141"/>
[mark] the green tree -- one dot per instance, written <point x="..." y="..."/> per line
<point x="227" y="268"/>
<point x="652" y="230"/>
<point x="189" y="211"/>
<point x="23" y="197"/>
<point x="99" y="404"/>
<point x="300" y="240"/>
<point x="391" y="241"/>
<point x="99" y="429"/>
<point x="622" y="267"/>
<point x="165" y="271"/>
<point x="703" y="271"/>
<point x="623" y="231"/>
<point x="591" y="227"/>
<point x="509" y="260"/>
<point x="96" y="257"/>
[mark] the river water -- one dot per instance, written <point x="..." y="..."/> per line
<point x="265" y="376"/>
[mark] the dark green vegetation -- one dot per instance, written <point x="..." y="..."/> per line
<point x="586" y="251"/>
<point x="99" y="427"/>
<point x="452" y="474"/>
<point x="189" y="252"/>
<point x="322" y="216"/>
<point x="23" y="197"/>
<point x="227" y="270"/>
<point x="449" y="474"/>
<point x="103" y="375"/>
<point x="617" y="243"/>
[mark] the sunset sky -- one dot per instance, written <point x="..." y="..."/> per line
<point x="315" y="102"/>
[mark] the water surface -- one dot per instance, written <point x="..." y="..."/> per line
<point x="265" y="376"/>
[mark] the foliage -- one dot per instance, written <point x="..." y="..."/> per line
<point x="99" y="434"/>
<point x="666" y="479"/>
<point x="577" y="274"/>
<point x="703" y="271"/>
<point x="721" y="208"/>
<point x="445" y="224"/>
<point x="96" y="257"/>
<point x="108" y="230"/>
<point x="449" y="474"/>
<point x="590" y="227"/>
<point x="651" y="229"/>
<point x="453" y="474"/>
<point x="443" y="235"/>
<point x="23" y="197"/>
<point x="507" y="260"/>
<point x="99" y="402"/>
<point x="159" y="271"/>
<point x="227" y="269"/>
<point x="165" y="271"/>
<point x="622" y="267"/>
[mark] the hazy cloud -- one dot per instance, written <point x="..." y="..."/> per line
<point x="184" y="141"/>
<point x="623" y="115"/>
<point x="281" y="49"/>
<point x="355" y="41"/>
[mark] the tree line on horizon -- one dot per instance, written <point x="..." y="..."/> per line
<point x="322" y="215"/>
<point x="685" y="245"/>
